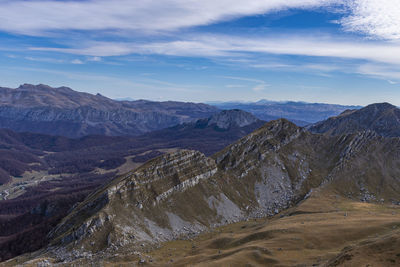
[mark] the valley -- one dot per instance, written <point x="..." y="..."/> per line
<point x="259" y="133"/>
<point x="55" y="172"/>
<point x="278" y="196"/>
<point x="229" y="189"/>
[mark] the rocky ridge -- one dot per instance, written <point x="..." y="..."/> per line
<point x="185" y="193"/>
<point x="54" y="169"/>
<point x="63" y="111"/>
<point x="182" y="194"/>
<point x="382" y="118"/>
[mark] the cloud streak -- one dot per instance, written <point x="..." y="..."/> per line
<point x="92" y="30"/>
<point x="260" y="84"/>
<point x="374" y="18"/>
<point x="236" y="46"/>
<point x="43" y="16"/>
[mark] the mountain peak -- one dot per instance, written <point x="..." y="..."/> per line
<point x="281" y="129"/>
<point x="227" y="119"/>
<point x="32" y="86"/>
<point x="43" y="87"/>
<point x="383" y="118"/>
<point x="379" y="107"/>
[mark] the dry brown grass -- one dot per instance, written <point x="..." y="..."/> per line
<point x="324" y="230"/>
<point x="315" y="232"/>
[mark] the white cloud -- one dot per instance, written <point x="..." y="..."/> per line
<point x="77" y="61"/>
<point x="375" y="18"/>
<point x="260" y="84"/>
<point x="386" y="72"/>
<point x="224" y="46"/>
<point x="260" y="87"/>
<point x="235" y="86"/>
<point x="94" y="59"/>
<point x="44" y="59"/>
<point x="245" y="79"/>
<point x="36" y="17"/>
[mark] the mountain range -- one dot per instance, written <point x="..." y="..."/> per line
<point x="327" y="181"/>
<point x="87" y="180"/>
<point x="301" y="113"/>
<point x="43" y="176"/>
<point x="63" y="111"/>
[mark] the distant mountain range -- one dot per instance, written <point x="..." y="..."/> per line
<point x="92" y="176"/>
<point x="63" y="111"/>
<point x="301" y="113"/>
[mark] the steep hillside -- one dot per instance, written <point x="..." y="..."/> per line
<point x="382" y="118"/>
<point x="182" y="194"/>
<point x="162" y="192"/>
<point x="63" y="111"/>
<point x="44" y="176"/>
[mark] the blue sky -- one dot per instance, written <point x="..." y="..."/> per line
<point x="332" y="51"/>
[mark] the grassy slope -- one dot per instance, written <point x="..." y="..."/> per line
<point x="315" y="232"/>
<point x="326" y="230"/>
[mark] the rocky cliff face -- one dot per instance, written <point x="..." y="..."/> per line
<point x="63" y="111"/>
<point x="232" y="118"/>
<point x="89" y="156"/>
<point x="382" y="118"/>
<point x="184" y="193"/>
<point x="136" y="207"/>
<point x="181" y="194"/>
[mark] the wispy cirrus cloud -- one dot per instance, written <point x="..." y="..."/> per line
<point x="374" y="18"/>
<point x="386" y="72"/>
<point x="260" y="85"/>
<point x="371" y="17"/>
<point x="44" y="16"/>
<point x="236" y="46"/>
<point x="89" y="31"/>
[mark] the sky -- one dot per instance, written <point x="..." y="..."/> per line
<point x="330" y="51"/>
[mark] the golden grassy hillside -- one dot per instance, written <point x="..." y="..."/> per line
<point x="324" y="230"/>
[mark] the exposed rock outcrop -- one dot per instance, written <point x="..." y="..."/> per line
<point x="182" y="194"/>
<point x="232" y="118"/>
<point x="135" y="197"/>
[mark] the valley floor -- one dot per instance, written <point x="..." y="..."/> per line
<point x="324" y="230"/>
